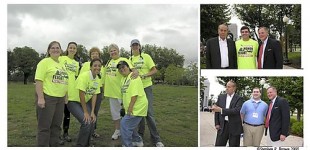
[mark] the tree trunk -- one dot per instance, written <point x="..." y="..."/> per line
<point x="26" y="75"/>
<point x="298" y="114"/>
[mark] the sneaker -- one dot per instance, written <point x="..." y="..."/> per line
<point x="96" y="135"/>
<point x="67" y="138"/>
<point x="116" y="134"/>
<point x="137" y="144"/>
<point x="61" y="141"/>
<point x="160" y="144"/>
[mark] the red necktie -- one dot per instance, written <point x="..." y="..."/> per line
<point x="260" y="56"/>
<point x="268" y="115"/>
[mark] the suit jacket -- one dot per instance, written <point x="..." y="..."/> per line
<point x="233" y="113"/>
<point x="280" y="119"/>
<point x="273" y="56"/>
<point x="213" y="54"/>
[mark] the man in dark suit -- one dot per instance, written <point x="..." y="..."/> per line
<point x="270" y="52"/>
<point x="227" y="117"/>
<point x="277" y="119"/>
<point x="220" y="51"/>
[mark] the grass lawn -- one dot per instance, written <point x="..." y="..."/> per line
<point x="175" y="109"/>
<point x="295" y="59"/>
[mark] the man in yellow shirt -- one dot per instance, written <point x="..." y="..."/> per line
<point x="246" y="50"/>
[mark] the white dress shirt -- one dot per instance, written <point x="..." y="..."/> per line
<point x="228" y="100"/>
<point x="224" y="53"/>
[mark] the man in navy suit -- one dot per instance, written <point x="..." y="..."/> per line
<point x="220" y="51"/>
<point x="277" y="120"/>
<point x="227" y="117"/>
<point x="270" y="52"/>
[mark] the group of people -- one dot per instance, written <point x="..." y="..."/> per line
<point x="246" y="53"/>
<point x="252" y="118"/>
<point x="62" y="87"/>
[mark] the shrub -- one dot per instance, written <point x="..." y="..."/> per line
<point x="297" y="129"/>
<point x="292" y="121"/>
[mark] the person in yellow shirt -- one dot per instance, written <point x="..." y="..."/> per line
<point x="94" y="53"/>
<point x="146" y="68"/>
<point x="135" y="104"/>
<point x="51" y="87"/>
<point x="112" y="80"/>
<point x="72" y="67"/>
<point x="83" y="105"/>
<point x="247" y="49"/>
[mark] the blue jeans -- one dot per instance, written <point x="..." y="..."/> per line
<point x="128" y="130"/>
<point x="86" y="129"/>
<point x="150" y="119"/>
<point x="98" y="104"/>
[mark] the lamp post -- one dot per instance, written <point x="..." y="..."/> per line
<point x="285" y="59"/>
<point x="262" y="83"/>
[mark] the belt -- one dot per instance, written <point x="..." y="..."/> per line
<point x="254" y="125"/>
<point x="224" y="67"/>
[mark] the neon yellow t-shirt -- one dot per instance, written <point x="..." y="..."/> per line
<point x="54" y="77"/>
<point x="88" y="84"/>
<point x="134" y="87"/>
<point x="143" y="65"/>
<point x="247" y="53"/>
<point x="112" y="78"/>
<point x="72" y="67"/>
<point x="86" y="67"/>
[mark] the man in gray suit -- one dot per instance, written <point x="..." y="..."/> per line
<point x="227" y="117"/>
<point x="220" y="51"/>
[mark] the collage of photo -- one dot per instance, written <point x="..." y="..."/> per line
<point x="178" y="76"/>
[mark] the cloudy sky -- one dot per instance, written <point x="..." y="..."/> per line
<point x="166" y="25"/>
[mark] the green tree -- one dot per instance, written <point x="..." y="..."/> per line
<point x="82" y="53"/>
<point x="256" y="15"/>
<point x="163" y="57"/>
<point x="190" y="74"/>
<point x="245" y="85"/>
<point x="26" y="60"/>
<point x="291" y="88"/>
<point x="11" y="63"/>
<point x="211" y="16"/>
<point x="173" y="74"/>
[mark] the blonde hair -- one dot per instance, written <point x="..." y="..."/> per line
<point x="94" y="49"/>
<point x="113" y="46"/>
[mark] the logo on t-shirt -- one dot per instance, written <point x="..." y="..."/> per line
<point x="125" y="86"/>
<point x="246" y="51"/>
<point x="92" y="89"/>
<point x="71" y="67"/>
<point x="60" y="76"/>
<point x="138" y="64"/>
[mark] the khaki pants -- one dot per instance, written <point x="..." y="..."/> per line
<point x="252" y="136"/>
<point x="49" y="121"/>
<point x="269" y="142"/>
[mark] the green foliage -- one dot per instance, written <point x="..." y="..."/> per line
<point x="163" y="57"/>
<point x="23" y="59"/>
<point x="211" y="16"/>
<point x="173" y="75"/>
<point x="291" y="88"/>
<point x="292" y="121"/>
<point x="271" y="16"/>
<point x="82" y="53"/>
<point x="203" y="62"/>
<point x="297" y="129"/>
<point x="190" y="75"/>
<point x="173" y="107"/>
<point x="245" y="85"/>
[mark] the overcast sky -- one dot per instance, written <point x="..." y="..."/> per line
<point x="172" y="26"/>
